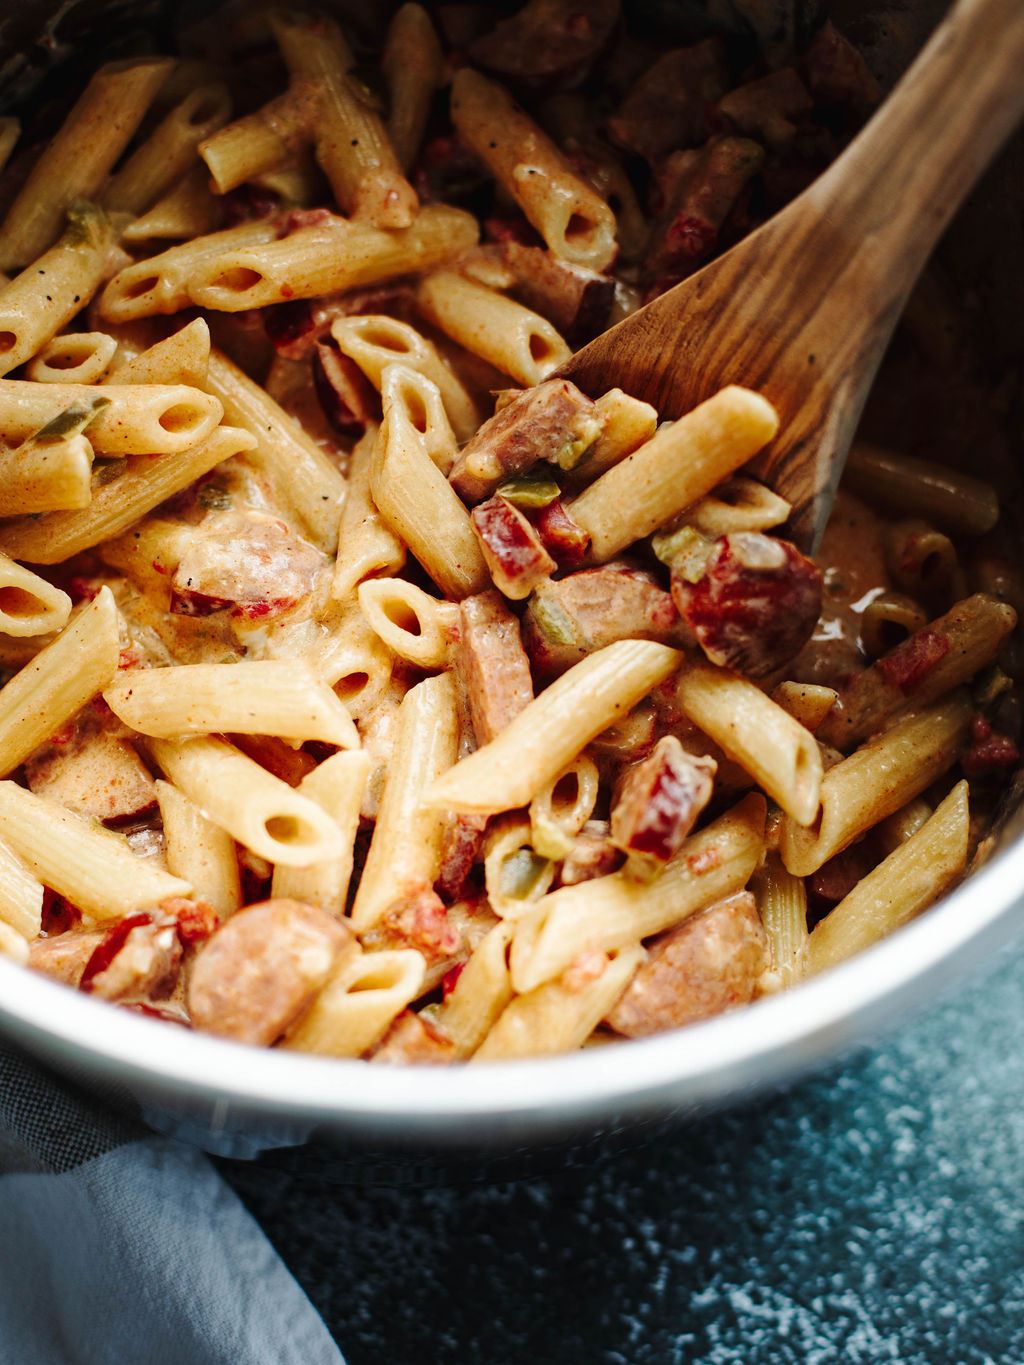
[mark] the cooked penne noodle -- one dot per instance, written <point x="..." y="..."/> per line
<point x="367" y="546"/>
<point x="420" y="402"/>
<point x="888" y="619"/>
<point x="145" y="484"/>
<point x="169" y="151"/>
<point x="260" y="141"/>
<point x="807" y="703"/>
<point x="76" y="162"/>
<point x="349" y="138"/>
<point x="782" y="905"/>
<point x="483" y="989"/>
<point x="45" y="296"/>
<point x="959" y="503"/>
<point x="21" y="895"/>
<point x="920" y="558"/>
<point x="777" y="751"/>
<point x="616" y="911"/>
<point x="91" y="867"/>
<point x="29" y="605"/>
<point x="354" y="661"/>
<point x="877" y="780"/>
<point x="302" y="476"/>
<point x="424" y="511"/>
<point x="513" y="339"/>
<point x="626" y="425"/>
<point x="738" y="504"/>
<point x="181" y="358"/>
<point x="337" y="784"/>
<point x="544" y="737"/>
<point x="562" y="807"/>
<point x="375" y="342"/>
<point x="365" y="994"/>
<point x="162" y="284"/>
<point x="188" y="209"/>
<point x="415" y="625"/>
<point x="406" y="844"/>
<point x="515" y="876"/>
<point x="57" y="683"/>
<point x="559" y="1016"/>
<point x="680" y="464"/>
<point x="256" y="808"/>
<point x="44" y="475"/>
<point x="895" y="829"/>
<point x="913" y="876"/>
<point x="574" y="221"/>
<point x="200" y="852"/>
<point x="72" y="358"/>
<point x="936" y="659"/>
<point x="140" y="419"/>
<point x="322" y="259"/>
<point x="413" y="67"/>
<point x="280" y="697"/>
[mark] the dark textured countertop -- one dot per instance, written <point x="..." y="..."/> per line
<point x="873" y="1214"/>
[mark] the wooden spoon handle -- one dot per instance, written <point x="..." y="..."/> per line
<point x="899" y="183"/>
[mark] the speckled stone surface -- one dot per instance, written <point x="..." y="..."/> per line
<point x="872" y="1215"/>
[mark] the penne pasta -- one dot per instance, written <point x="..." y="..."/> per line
<point x="322" y="259"/>
<point x="367" y="546"/>
<point x="574" y="221"/>
<point x="544" y="737"/>
<point x="76" y="162"/>
<point x="280" y="697"/>
<point x="900" y="887"/>
<point x="337" y="784"/>
<point x="144" y="484"/>
<point x="514" y="339"/>
<point x="56" y="684"/>
<point x="88" y="865"/>
<point x="405" y="848"/>
<point x="877" y="780"/>
<point x="776" y="750"/>
<point x="200" y="852"/>
<point x="358" y="1003"/>
<point x="72" y="358"/>
<point x="616" y="911"/>
<point x="679" y="465"/>
<point x="256" y="808"/>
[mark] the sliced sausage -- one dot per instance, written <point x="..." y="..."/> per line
<point x="257" y="974"/>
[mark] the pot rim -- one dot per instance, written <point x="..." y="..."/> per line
<point x="777" y="1039"/>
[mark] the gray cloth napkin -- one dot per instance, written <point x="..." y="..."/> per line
<point x="118" y="1245"/>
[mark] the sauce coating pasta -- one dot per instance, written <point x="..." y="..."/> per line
<point x="423" y="707"/>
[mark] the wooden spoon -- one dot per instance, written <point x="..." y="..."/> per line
<point x="803" y="308"/>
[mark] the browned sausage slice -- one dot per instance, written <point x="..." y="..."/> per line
<point x="259" y="971"/>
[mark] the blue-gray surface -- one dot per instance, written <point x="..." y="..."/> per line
<point x="875" y="1214"/>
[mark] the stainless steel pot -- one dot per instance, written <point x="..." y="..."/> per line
<point x="233" y="1099"/>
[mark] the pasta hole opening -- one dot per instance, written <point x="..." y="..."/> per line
<point x="891" y="634"/>
<point x="540" y="347"/>
<point x="351" y="685"/>
<point x="8" y="341"/>
<point x="934" y="567"/>
<point x="207" y="108"/>
<point x="181" y="418"/>
<point x="17" y="603"/>
<point x="70" y="359"/>
<point x="579" y="229"/>
<point x="238" y="280"/>
<point x="566" y="792"/>
<point x="400" y="614"/>
<point x="290" y="830"/>
<point x="380" y="980"/>
<point x="388" y="341"/>
<point x="416" y="409"/>
<point x="144" y="285"/>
